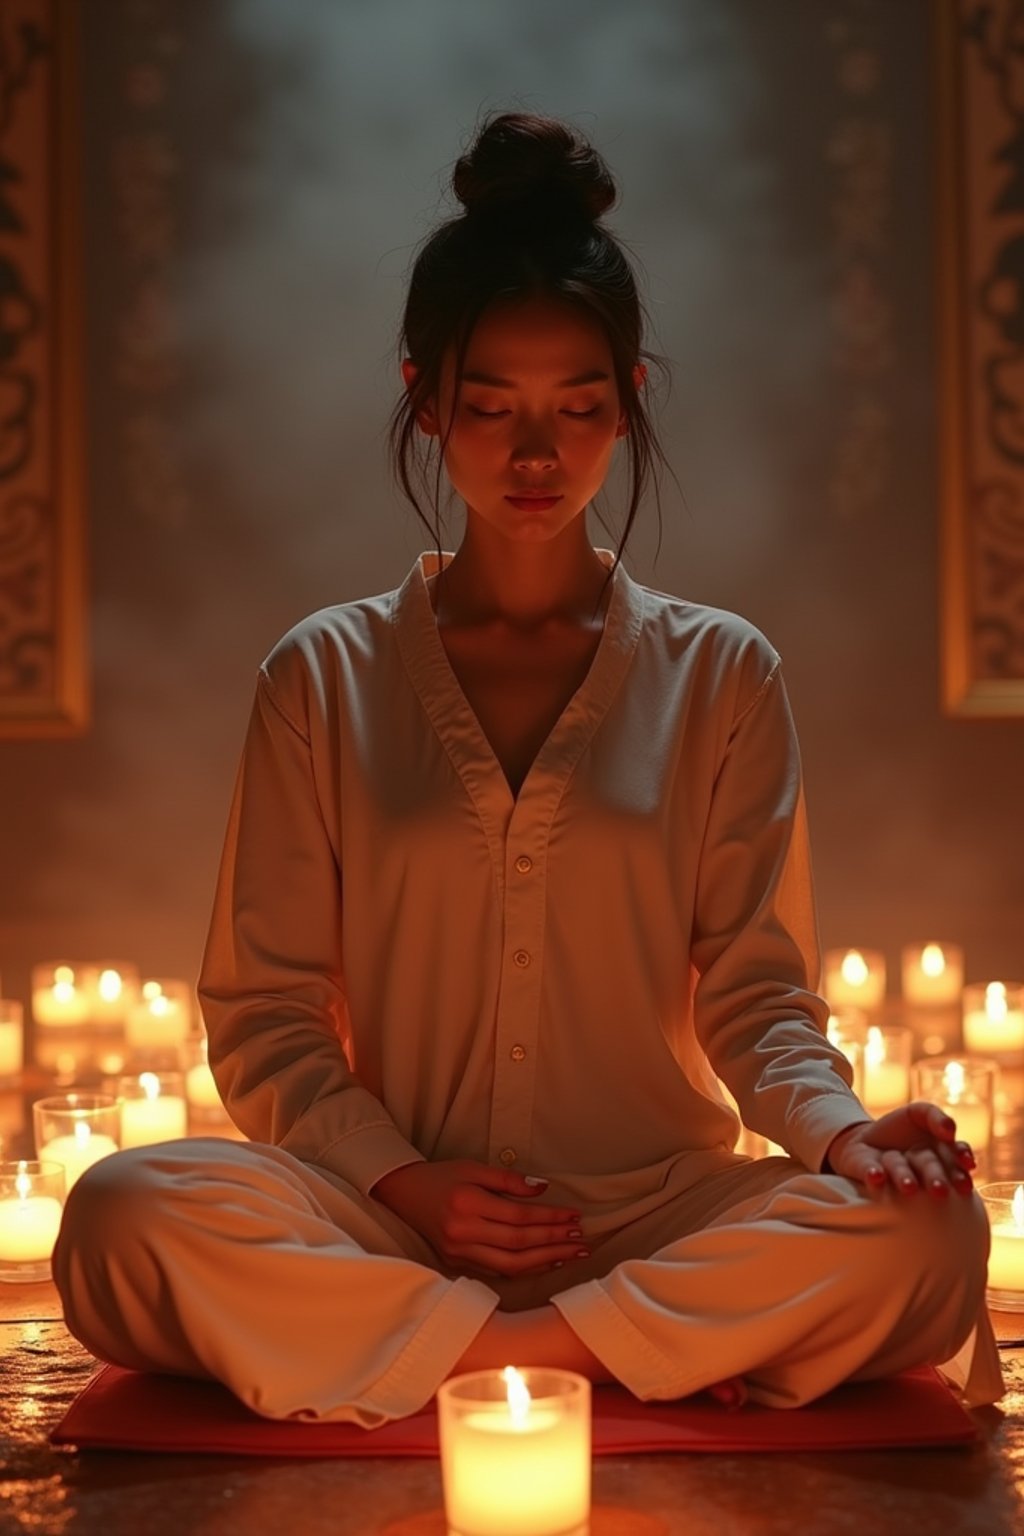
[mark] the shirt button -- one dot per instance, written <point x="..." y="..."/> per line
<point x="518" y="1053"/>
<point x="507" y="1155"/>
<point x="524" y="863"/>
<point x="521" y="957"/>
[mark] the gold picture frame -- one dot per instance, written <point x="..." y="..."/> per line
<point x="44" y="688"/>
<point x="979" y="134"/>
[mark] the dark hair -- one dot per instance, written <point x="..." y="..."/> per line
<point x="533" y="190"/>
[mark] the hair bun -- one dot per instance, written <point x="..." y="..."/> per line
<point x="521" y="163"/>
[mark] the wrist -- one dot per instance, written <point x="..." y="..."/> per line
<point x="837" y="1143"/>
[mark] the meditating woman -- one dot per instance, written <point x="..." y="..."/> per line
<point x="516" y="875"/>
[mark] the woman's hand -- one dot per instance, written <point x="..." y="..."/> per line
<point x="911" y="1148"/>
<point x="470" y="1213"/>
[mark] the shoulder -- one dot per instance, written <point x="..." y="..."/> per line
<point x="308" y="665"/>
<point x="724" y="652"/>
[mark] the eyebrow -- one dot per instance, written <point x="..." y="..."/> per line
<point x="595" y="376"/>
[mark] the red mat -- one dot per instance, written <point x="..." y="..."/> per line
<point x="135" y="1411"/>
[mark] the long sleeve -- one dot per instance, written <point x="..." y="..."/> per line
<point x="272" y="985"/>
<point x="755" y="943"/>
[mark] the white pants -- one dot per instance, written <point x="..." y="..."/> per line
<point x="234" y="1260"/>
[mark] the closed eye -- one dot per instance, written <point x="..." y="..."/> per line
<point x="494" y="414"/>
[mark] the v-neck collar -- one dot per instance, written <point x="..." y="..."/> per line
<point x="430" y="671"/>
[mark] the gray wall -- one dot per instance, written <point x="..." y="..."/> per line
<point x="258" y="177"/>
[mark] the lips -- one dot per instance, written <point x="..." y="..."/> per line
<point x="534" y="496"/>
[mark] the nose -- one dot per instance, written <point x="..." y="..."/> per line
<point x="535" y="455"/>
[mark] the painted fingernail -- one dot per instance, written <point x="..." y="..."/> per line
<point x="940" y="1187"/>
<point x="558" y="1264"/>
<point x="574" y="1232"/>
<point x="909" y="1183"/>
<point x="583" y="1253"/>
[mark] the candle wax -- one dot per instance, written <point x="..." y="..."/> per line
<point x="76" y="1155"/>
<point x="886" y="1086"/>
<point x="502" y="1479"/>
<point x="201" y="1089"/>
<point x="983" y="1034"/>
<point x="144" y="1121"/>
<point x="10" y="1048"/>
<point x="1006" y="1260"/>
<point x="28" y="1228"/>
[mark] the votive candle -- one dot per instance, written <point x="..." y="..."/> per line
<point x="994" y="1019"/>
<point x="31" y="1205"/>
<point x="12" y="1038"/>
<point x="152" y="1108"/>
<point x="76" y="1130"/>
<point x="887" y="1052"/>
<point x="932" y="974"/>
<point x="1005" y="1207"/>
<point x="515" y="1452"/>
<point x="855" y="978"/>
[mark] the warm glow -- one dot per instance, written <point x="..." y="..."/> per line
<point x="954" y="1080"/>
<point x="518" y="1395"/>
<point x="995" y="1002"/>
<point x="933" y="960"/>
<point x="151" y="989"/>
<point x="832" y="1030"/>
<point x="110" y="986"/>
<point x="63" y="976"/>
<point x="83" y="1134"/>
<point x="854" y="969"/>
<point x="63" y="991"/>
<point x="23" y="1184"/>
<point x="875" y="1052"/>
<point x="150" y="1085"/>
<point x="160" y="1006"/>
<point x="1017" y="1207"/>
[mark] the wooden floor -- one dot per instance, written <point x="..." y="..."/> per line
<point x="47" y="1492"/>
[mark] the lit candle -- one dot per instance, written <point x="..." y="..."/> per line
<point x="201" y="1088"/>
<point x="78" y="1151"/>
<point x="994" y="1019"/>
<point x="973" y="1117"/>
<point x="855" y="978"/>
<point x="1006" y="1259"/>
<point x="512" y="1466"/>
<point x="156" y="1113"/>
<point x="29" y="1223"/>
<point x="933" y="974"/>
<point x="56" y="999"/>
<point x="11" y="1040"/>
<point x="847" y="1032"/>
<point x="162" y="1020"/>
<point x="886" y="1069"/>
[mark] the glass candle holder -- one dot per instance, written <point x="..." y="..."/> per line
<point x="887" y="1055"/>
<point x="994" y="1019"/>
<point x="112" y="989"/>
<point x="848" y="1030"/>
<point x="932" y="974"/>
<point x="965" y="1087"/>
<point x="76" y="1130"/>
<point x="855" y="978"/>
<point x="12" y="1042"/>
<point x="31" y="1206"/>
<point x="515" y="1452"/>
<point x="1004" y="1205"/>
<point x="159" y="1023"/>
<point x="60" y="1013"/>
<point x="152" y="1108"/>
<point x="205" y="1105"/>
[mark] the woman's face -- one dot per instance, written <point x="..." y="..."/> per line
<point x="536" y="430"/>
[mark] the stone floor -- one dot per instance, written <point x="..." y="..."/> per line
<point x="977" y="1491"/>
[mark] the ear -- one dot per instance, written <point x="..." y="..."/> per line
<point x="426" y="416"/>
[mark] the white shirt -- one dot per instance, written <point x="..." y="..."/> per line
<point x="406" y="962"/>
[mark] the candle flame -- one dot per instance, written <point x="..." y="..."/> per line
<point x="63" y="976"/>
<point x="22" y="1182"/>
<point x="150" y="1085"/>
<point x="151" y="989"/>
<point x="63" y="991"/>
<point x="160" y="1006"/>
<point x="83" y="1133"/>
<point x="109" y="986"/>
<point x="933" y="960"/>
<point x="518" y="1396"/>
<point x="875" y="1051"/>
<point x="995" y="1002"/>
<point x="1017" y="1208"/>
<point x="854" y="969"/>
<point x="954" y="1080"/>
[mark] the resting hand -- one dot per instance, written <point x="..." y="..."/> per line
<point x="911" y="1148"/>
<point x="471" y="1214"/>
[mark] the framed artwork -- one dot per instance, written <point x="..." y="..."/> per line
<point x="43" y="653"/>
<point x="979" y="161"/>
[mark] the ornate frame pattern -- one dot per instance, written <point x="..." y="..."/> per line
<point x="979" y="137"/>
<point x="43" y="654"/>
